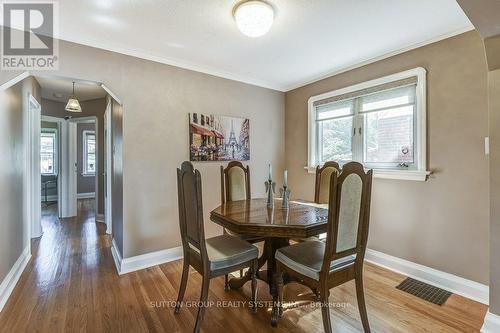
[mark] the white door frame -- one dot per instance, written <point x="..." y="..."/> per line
<point x="33" y="196"/>
<point x="108" y="171"/>
<point x="61" y="156"/>
<point x="73" y="139"/>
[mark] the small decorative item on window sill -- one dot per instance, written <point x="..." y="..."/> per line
<point x="285" y="192"/>
<point x="270" y="188"/>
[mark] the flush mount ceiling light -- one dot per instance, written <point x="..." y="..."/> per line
<point x="73" y="104"/>
<point x="254" y="18"/>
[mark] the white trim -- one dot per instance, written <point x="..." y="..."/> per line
<point x="14" y="80"/>
<point x="421" y="131"/>
<point x="117" y="257"/>
<point x="252" y="81"/>
<point x="455" y="284"/>
<point x="179" y="63"/>
<point x="88" y="195"/>
<point x="86" y="120"/>
<point x="10" y="281"/>
<point x="132" y="264"/>
<point x="111" y="93"/>
<point x="351" y="67"/>
<point x="108" y="170"/>
<point x="392" y="174"/>
<point x="60" y="156"/>
<point x="33" y="172"/>
<point x="491" y="323"/>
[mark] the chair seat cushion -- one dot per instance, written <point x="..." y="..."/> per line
<point x="226" y="251"/>
<point x="306" y="258"/>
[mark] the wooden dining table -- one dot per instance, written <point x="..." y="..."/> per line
<point x="276" y="225"/>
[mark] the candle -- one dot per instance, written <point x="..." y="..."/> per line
<point x="286" y="178"/>
<point x="270" y="171"/>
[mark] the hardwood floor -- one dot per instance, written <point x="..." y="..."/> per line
<point x="71" y="285"/>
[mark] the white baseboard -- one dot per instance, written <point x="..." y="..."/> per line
<point x="10" y="281"/>
<point x="491" y="323"/>
<point x="89" y="195"/>
<point x="117" y="257"/>
<point x="132" y="264"/>
<point x="455" y="284"/>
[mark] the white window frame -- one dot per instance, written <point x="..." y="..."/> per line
<point x="85" y="172"/>
<point x="53" y="132"/>
<point x="419" y="173"/>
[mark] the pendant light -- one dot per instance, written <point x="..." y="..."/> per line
<point x="73" y="104"/>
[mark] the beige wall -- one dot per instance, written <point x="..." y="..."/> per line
<point x="12" y="240"/>
<point x="14" y="235"/>
<point x="156" y="101"/>
<point x="441" y="223"/>
<point x="494" y="113"/>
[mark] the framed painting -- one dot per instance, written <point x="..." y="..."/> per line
<point x="218" y="138"/>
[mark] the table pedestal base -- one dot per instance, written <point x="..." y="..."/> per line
<point x="269" y="276"/>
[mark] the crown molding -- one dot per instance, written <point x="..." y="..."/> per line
<point x="142" y="54"/>
<point x="350" y="67"/>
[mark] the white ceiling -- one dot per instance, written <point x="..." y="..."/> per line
<point x="53" y="87"/>
<point x="309" y="40"/>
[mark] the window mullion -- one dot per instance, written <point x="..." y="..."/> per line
<point x="357" y="140"/>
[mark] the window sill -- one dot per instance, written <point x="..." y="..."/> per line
<point x="88" y="174"/>
<point x="414" y="175"/>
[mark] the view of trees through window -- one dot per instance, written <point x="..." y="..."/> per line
<point x="384" y="121"/>
<point x="336" y="139"/>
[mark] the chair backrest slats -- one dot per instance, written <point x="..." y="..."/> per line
<point x="323" y="177"/>
<point x="349" y="213"/>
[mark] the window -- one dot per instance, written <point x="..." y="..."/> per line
<point x="48" y="152"/>
<point x="89" y="158"/>
<point x="380" y="123"/>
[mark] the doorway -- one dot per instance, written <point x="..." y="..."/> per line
<point x="69" y="152"/>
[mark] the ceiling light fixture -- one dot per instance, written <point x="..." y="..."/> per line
<point x="254" y="18"/>
<point x="73" y="104"/>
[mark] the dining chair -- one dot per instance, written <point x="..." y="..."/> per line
<point x="322" y="191"/>
<point x="322" y="185"/>
<point x="235" y="186"/>
<point x="322" y="266"/>
<point x="211" y="257"/>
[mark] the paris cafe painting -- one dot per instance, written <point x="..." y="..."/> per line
<point x="218" y="138"/>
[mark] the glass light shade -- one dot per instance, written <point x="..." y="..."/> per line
<point x="73" y="105"/>
<point x="254" y="18"/>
